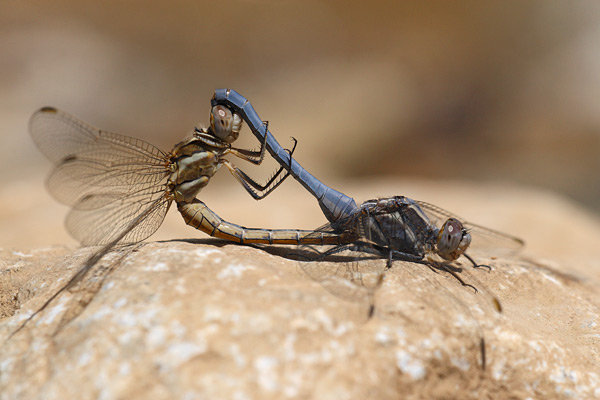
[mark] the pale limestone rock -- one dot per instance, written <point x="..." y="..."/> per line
<point x="205" y="319"/>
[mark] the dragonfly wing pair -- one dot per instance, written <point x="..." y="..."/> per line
<point x="107" y="179"/>
<point x="120" y="188"/>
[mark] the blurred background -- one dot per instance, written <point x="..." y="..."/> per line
<point x="448" y="93"/>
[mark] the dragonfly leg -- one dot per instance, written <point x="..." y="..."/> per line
<point x="335" y="250"/>
<point x="322" y="255"/>
<point x="378" y="251"/>
<point x="210" y="139"/>
<point x="255" y="189"/>
<point x="317" y="255"/>
<point x="398" y="255"/>
<point x="445" y="267"/>
<point x="475" y="265"/>
<point x="254" y="156"/>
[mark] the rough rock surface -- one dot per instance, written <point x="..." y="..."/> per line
<point x="207" y="319"/>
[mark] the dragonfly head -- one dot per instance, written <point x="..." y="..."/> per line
<point x="452" y="240"/>
<point x="225" y="124"/>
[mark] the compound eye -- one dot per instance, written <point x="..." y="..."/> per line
<point x="452" y="240"/>
<point x="221" y="122"/>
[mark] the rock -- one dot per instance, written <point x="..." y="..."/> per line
<point x="208" y="319"/>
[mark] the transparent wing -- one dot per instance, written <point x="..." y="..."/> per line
<point x="59" y="135"/>
<point x="88" y="160"/>
<point x="109" y="180"/>
<point x="101" y="225"/>
<point x="343" y="270"/>
<point x="482" y="238"/>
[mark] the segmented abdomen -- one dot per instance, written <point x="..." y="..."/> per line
<point x="197" y="215"/>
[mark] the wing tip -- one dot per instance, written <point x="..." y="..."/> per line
<point x="48" y="110"/>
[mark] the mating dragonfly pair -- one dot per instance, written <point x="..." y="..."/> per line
<point x="120" y="189"/>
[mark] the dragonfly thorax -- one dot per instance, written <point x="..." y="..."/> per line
<point x="192" y="165"/>
<point x="397" y="223"/>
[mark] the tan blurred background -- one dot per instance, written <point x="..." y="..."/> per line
<point x="473" y="92"/>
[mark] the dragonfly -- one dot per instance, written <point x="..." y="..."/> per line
<point x="120" y="188"/>
<point x="391" y="229"/>
<point x="394" y="228"/>
<point x="335" y="205"/>
<point x="340" y="209"/>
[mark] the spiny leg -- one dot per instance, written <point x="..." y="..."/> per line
<point x="475" y="265"/>
<point x="495" y="301"/>
<point x="355" y="246"/>
<point x="397" y="255"/>
<point x="255" y="189"/>
<point x="257" y="157"/>
<point x="444" y="267"/>
<point x="254" y="156"/>
<point x="258" y="186"/>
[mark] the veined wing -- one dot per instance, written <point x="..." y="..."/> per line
<point x="109" y="180"/>
<point x="482" y="238"/>
<point x="343" y="270"/>
<point x="88" y="160"/>
<point x="102" y="225"/>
